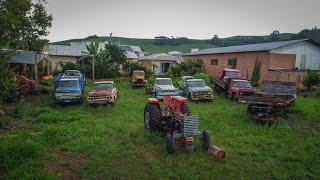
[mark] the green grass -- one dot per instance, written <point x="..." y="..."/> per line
<point x="110" y="142"/>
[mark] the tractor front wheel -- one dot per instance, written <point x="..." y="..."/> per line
<point x="152" y="117"/>
<point x="205" y="140"/>
<point x="170" y="143"/>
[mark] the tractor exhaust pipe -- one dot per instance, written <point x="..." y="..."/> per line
<point x="216" y="151"/>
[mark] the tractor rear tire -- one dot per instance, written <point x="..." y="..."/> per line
<point x="205" y="140"/>
<point x="185" y="108"/>
<point x="152" y="117"/>
<point x="170" y="143"/>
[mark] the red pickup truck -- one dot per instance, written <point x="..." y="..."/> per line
<point x="233" y="85"/>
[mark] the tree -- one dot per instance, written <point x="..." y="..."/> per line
<point x="275" y="35"/>
<point x="24" y="24"/>
<point x="256" y="73"/>
<point x="92" y="54"/>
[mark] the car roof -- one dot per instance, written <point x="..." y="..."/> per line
<point x="103" y="82"/>
<point x="69" y="79"/>
<point x="235" y="70"/>
<point x="240" y="80"/>
<point x="191" y="80"/>
<point x="187" y="77"/>
<point x="163" y="78"/>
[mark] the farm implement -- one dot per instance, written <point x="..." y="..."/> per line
<point x="273" y="101"/>
<point x="176" y="121"/>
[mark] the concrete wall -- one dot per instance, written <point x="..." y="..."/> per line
<point x="155" y="66"/>
<point x="311" y="51"/>
<point x="287" y="76"/>
<point x="55" y="60"/>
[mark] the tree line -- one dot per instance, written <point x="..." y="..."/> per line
<point x="173" y="41"/>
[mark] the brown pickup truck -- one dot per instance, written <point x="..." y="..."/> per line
<point x="102" y="93"/>
<point x="233" y="85"/>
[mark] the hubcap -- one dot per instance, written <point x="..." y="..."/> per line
<point x="147" y="119"/>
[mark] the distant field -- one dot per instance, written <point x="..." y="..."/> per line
<point x="148" y="46"/>
<point x="48" y="141"/>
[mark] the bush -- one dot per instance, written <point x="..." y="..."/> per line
<point x="203" y="76"/>
<point x="186" y="68"/>
<point x="311" y="79"/>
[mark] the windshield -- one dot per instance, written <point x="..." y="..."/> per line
<point x="196" y="83"/>
<point x="232" y="74"/>
<point x="163" y="82"/>
<point x="241" y="84"/>
<point x="67" y="84"/>
<point x="103" y="86"/>
<point x="139" y="73"/>
<point x="72" y="73"/>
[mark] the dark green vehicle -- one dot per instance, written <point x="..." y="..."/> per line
<point x="197" y="90"/>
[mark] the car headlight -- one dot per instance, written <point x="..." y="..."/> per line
<point x="209" y="92"/>
<point x="58" y="94"/>
<point x="241" y="93"/>
<point x="77" y="94"/>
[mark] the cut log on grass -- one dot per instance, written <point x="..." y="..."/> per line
<point x="218" y="152"/>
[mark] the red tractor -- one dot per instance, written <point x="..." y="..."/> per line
<point x="176" y="121"/>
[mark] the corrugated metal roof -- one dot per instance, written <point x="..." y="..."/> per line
<point x="247" y="48"/>
<point x="24" y="57"/>
<point x="130" y="48"/>
<point x="74" y="49"/>
<point x="131" y="55"/>
<point x="161" y="57"/>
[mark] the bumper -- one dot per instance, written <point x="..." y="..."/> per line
<point x="103" y="100"/>
<point x="202" y="97"/>
<point x="161" y="95"/>
<point x="69" y="99"/>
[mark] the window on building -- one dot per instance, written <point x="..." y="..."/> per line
<point x="214" y="61"/>
<point x="232" y="62"/>
<point x="200" y="60"/>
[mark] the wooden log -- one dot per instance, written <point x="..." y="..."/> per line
<point x="216" y="151"/>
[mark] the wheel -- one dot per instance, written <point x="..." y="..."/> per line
<point x="152" y="117"/>
<point x="185" y="108"/>
<point x="189" y="148"/>
<point x="205" y="140"/>
<point x="170" y="143"/>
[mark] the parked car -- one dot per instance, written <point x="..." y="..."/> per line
<point x="182" y="82"/>
<point x="239" y="89"/>
<point x="138" y="78"/>
<point x="102" y="93"/>
<point x="164" y="87"/>
<point x="196" y="89"/>
<point x="233" y="85"/>
<point x="69" y="87"/>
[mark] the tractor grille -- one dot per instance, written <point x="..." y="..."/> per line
<point x="190" y="126"/>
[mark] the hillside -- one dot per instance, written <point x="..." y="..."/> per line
<point x="148" y="45"/>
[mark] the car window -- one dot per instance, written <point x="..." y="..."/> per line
<point x="163" y="82"/>
<point x="103" y="86"/>
<point x="241" y="84"/>
<point x="196" y="83"/>
<point x="232" y="74"/>
<point x="68" y="84"/>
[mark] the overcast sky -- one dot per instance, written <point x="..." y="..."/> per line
<point x="197" y="19"/>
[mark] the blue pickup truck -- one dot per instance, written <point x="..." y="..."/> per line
<point x="69" y="87"/>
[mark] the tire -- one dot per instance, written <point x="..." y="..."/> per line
<point x="185" y="108"/>
<point x="205" y="140"/>
<point x="189" y="148"/>
<point x="152" y="117"/>
<point x="170" y="143"/>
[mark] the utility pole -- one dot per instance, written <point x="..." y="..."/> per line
<point x="93" y="67"/>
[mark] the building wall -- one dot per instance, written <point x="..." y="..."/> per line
<point x="288" y="76"/>
<point x="55" y="60"/>
<point x="307" y="49"/>
<point x="155" y="65"/>
<point x="286" y="61"/>
<point x="245" y="63"/>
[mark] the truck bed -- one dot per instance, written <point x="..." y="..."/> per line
<point x="218" y="82"/>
